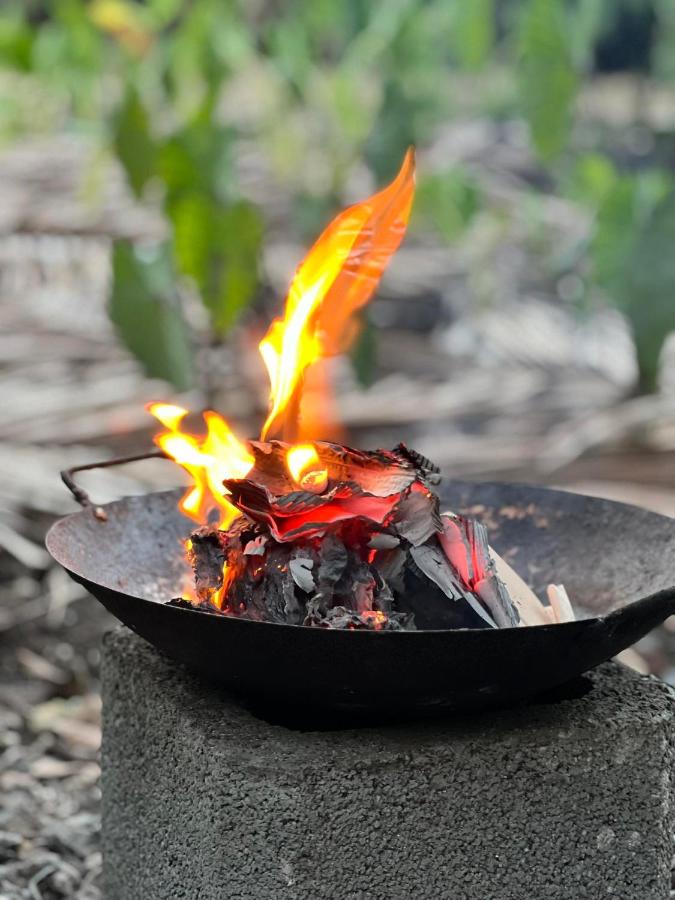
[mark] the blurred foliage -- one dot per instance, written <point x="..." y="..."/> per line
<point x="145" y="310"/>
<point x="133" y="143"/>
<point x="547" y="80"/>
<point x="364" y="352"/>
<point x="629" y="250"/>
<point x="179" y="91"/>
<point x="447" y="201"/>
<point x="649" y="292"/>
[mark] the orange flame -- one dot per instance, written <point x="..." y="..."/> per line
<point x="305" y="467"/>
<point x="336" y="279"/>
<point x="209" y="460"/>
<point x="374" y="617"/>
<point x="219" y="597"/>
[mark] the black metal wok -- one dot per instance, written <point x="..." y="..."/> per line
<point x="616" y="561"/>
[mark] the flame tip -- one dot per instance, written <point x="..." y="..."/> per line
<point x="335" y="280"/>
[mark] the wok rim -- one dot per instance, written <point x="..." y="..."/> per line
<point x="78" y="515"/>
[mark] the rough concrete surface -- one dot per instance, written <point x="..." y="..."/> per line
<point x="202" y="800"/>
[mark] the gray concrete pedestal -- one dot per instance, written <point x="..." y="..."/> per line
<point x="203" y="801"/>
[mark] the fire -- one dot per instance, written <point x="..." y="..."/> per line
<point x="375" y="616"/>
<point x="219" y="598"/>
<point x="209" y="460"/>
<point x="306" y="469"/>
<point x="336" y="279"/>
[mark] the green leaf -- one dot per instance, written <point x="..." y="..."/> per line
<point x="290" y="51"/>
<point x="351" y="104"/>
<point x="587" y="21"/>
<point x="393" y="132"/>
<point x="593" y="177"/>
<point x="133" y="141"/>
<point x="614" y="238"/>
<point x="448" y="201"/>
<point x="197" y="158"/>
<point x="364" y="353"/>
<point x="16" y="39"/>
<point x="163" y="11"/>
<point x="409" y="59"/>
<point x="473" y="32"/>
<point x="547" y="81"/>
<point x="624" y="204"/>
<point x="210" y="40"/>
<point x="145" y="312"/>
<point x="310" y="212"/>
<point x="630" y="251"/>
<point x="649" y="288"/>
<point x="218" y="247"/>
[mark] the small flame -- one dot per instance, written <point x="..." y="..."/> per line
<point x="336" y="279"/>
<point x="208" y="460"/>
<point x="306" y="468"/>
<point x="219" y="597"/>
<point x="374" y="617"/>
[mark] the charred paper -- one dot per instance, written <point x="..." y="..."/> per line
<point x="369" y="550"/>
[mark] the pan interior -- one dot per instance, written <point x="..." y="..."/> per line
<point x="137" y="550"/>
<point x="607" y="554"/>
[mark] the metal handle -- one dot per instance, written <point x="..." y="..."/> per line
<point x="79" y="493"/>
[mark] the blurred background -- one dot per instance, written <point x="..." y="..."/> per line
<point x="163" y="168"/>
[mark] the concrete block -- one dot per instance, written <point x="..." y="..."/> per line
<point x="568" y="800"/>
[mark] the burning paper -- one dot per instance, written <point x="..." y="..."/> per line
<point x="368" y="551"/>
<point x="315" y="533"/>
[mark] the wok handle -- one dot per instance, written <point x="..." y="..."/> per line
<point x="79" y="493"/>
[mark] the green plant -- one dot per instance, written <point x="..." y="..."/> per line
<point x="147" y="77"/>
<point x="215" y="234"/>
<point x="145" y="309"/>
<point x="629" y="251"/>
<point x="336" y="84"/>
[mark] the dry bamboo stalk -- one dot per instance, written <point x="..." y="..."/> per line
<point x="532" y="610"/>
<point x="560" y="603"/>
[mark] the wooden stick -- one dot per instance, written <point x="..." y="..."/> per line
<point x="560" y="603"/>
